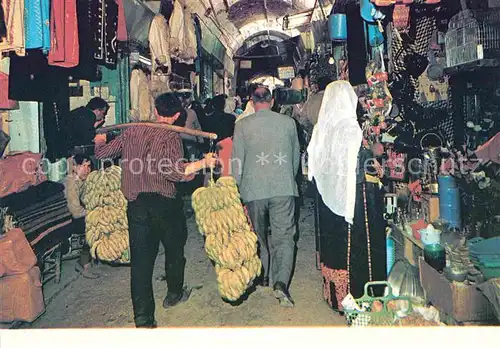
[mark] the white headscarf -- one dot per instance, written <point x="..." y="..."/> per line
<point x="333" y="150"/>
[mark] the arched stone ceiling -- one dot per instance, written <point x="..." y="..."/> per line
<point x="238" y="20"/>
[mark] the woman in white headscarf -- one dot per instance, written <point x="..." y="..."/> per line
<point x="350" y="253"/>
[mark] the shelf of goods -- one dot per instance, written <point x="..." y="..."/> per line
<point x="407" y="246"/>
<point x="460" y="302"/>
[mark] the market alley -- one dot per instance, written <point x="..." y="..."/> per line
<point x="106" y="302"/>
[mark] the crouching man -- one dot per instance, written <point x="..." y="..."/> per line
<point x="73" y="190"/>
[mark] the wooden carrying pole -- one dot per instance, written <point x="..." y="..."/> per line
<point x="177" y="129"/>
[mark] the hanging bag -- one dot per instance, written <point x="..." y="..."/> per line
<point x="369" y="12"/>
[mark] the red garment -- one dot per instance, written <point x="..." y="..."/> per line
<point x="20" y="171"/>
<point x="5" y="102"/>
<point x="490" y="151"/>
<point x="64" y="47"/>
<point x="152" y="160"/>
<point x="121" y="33"/>
<point x="225" y="151"/>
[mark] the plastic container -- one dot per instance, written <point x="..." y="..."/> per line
<point x="430" y="235"/>
<point x="369" y="11"/>
<point x="337" y="27"/>
<point x="391" y="253"/>
<point x="446" y="182"/>
<point x="435" y="256"/>
<point x="375" y="36"/>
<point x="449" y="201"/>
<point x="369" y="317"/>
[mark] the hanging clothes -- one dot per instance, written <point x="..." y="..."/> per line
<point x="87" y="68"/>
<point x="159" y="84"/>
<point x="121" y="31"/>
<point x="13" y="11"/>
<point x="333" y="150"/>
<point x="5" y="102"/>
<point x="183" y="45"/>
<point x="3" y="28"/>
<point x="105" y="37"/>
<point x="54" y="125"/>
<point x="37" y="24"/>
<point x="140" y="97"/>
<point x="64" y="47"/>
<point x="32" y="79"/>
<point x="166" y="8"/>
<point x="159" y="45"/>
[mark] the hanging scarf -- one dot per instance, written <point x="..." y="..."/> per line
<point x="334" y="147"/>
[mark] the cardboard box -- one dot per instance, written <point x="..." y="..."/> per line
<point x="464" y="303"/>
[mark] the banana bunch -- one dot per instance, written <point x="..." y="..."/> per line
<point x="229" y="239"/>
<point x="106" y="224"/>
<point x="100" y="184"/>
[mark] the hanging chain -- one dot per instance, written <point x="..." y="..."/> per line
<point x="348" y="258"/>
<point x="367" y="234"/>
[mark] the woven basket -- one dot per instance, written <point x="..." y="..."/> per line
<point x="368" y="317"/>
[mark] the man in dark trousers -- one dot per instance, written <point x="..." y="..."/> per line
<point x="82" y="125"/>
<point x="265" y="160"/>
<point x="152" y="162"/>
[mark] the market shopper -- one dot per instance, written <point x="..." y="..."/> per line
<point x="218" y="121"/>
<point x="82" y="125"/>
<point x="249" y="107"/>
<point x="352" y="228"/>
<point x="73" y="191"/>
<point x="265" y="160"/>
<point x="152" y="164"/>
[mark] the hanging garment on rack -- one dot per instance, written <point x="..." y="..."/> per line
<point x="32" y="79"/>
<point x="140" y="97"/>
<point x="64" y="47"/>
<point x="87" y="68"/>
<point x="13" y="11"/>
<point x="159" y="84"/>
<point x="5" y="102"/>
<point x="183" y="45"/>
<point x="37" y="24"/>
<point x="106" y="22"/>
<point x="121" y="31"/>
<point x="54" y="126"/>
<point x="159" y="45"/>
<point x="3" y="28"/>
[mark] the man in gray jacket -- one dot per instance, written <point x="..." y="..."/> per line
<point x="265" y="161"/>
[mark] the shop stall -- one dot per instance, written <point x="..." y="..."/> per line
<point x="426" y="75"/>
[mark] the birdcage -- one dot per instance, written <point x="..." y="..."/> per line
<point x="473" y="35"/>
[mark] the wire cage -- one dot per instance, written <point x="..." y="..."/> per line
<point x="473" y="35"/>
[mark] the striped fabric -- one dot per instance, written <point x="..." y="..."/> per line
<point x="151" y="160"/>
